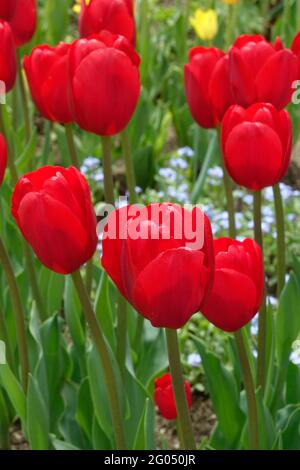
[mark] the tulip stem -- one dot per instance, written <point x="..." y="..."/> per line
<point x="262" y="319"/>
<point x="121" y="333"/>
<point x="104" y="354"/>
<point x="19" y="314"/>
<point x="229" y="200"/>
<point x="71" y="145"/>
<point x="250" y="392"/>
<point x="184" y="417"/>
<point x="130" y="174"/>
<point x="107" y="171"/>
<point x="280" y="238"/>
<point x="24" y="97"/>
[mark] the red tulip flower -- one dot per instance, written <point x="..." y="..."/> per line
<point x="47" y="74"/>
<point x="238" y="287"/>
<point x="253" y="71"/>
<point x="105" y="83"/>
<point x="8" y="61"/>
<point x="115" y="16"/>
<point x="164" y="396"/>
<point x="21" y="15"/>
<point x="197" y="77"/>
<point x="52" y="207"/>
<point x="161" y="259"/>
<point x="3" y="158"/>
<point x="257" y="145"/>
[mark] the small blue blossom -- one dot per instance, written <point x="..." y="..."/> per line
<point x="167" y="173"/>
<point x="178" y="163"/>
<point x="91" y="162"/>
<point x="215" y="172"/>
<point x="138" y="190"/>
<point x="254" y="326"/>
<point x="295" y="357"/>
<point x="98" y="177"/>
<point x="186" y="152"/>
<point x="248" y="199"/>
<point x="194" y="359"/>
<point x="268" y="194"/>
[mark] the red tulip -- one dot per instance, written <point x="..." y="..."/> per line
<point x="8" y="62"/>
<point x="21" y="15"/>
<point x="52" y="207"/>
<point x="3" y="158"/>
<point x="115" y="16"/>
<point x="254" y="70"/>
<point x="7" y="9"/>
<point x="257" y="145"/>
<point x="47" y="74"/>
<point x="197" y="76"/>
<point x="105" y="83"/>
<point x="161" y="259"/>
<point x="164" y="396"/>
<point x="238" y="287"/>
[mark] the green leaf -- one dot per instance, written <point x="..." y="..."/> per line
<point x="62" y="445"/>
<point x="293" y="384"/>
<point x="14" y="391"/>
<point x="37" y="418"/>
<point x="288" y="423"/>
<point x="145" y="439"/>
<point x="74" y="316"/>
<point x="103" y="310"/>
<point x="267" y="432"/>
<point x="154" y="357"/>
<point x="85" y="409"/>
<point x="288" y="319"/>
<point x="56" y="15"/>
<point x="52" y="290"/>
<point x="224" y="395"/>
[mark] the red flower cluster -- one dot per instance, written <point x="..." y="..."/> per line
<point x="21" y="16"/>
<point x="78" y="82"/>
<point x="164" y="396"/>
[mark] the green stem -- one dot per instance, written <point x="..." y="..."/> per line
<point x="107" y="171"/>
<point x="33" y="281"/>
<point x="14" y="107"/>
<point x="250" y="392"/>
<point x="262" y="319"/>
<point x="104" y="354"/>
<point x="298" y="15"/>
<point x="71" y="145"/>
<point x="130" y="175"/>
<point x="24" y="97"/>
<point x="232" y="13"/>
<point x="280" y="238"/>
<point x="230" y="201"/>
<point x="19" y="314"/>
<point x="184" y="417"/>
<point x="121" y="333"/>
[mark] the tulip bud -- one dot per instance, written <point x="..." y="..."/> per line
<point x="3" y="158"/>
<point x="238" y="287"/>
<point x="164" y="396"/>
<point x="105" y="83"/>
<point x="115" y="16"/>
<point x="46" y="70"/>
<point x="256" y="145"/>
<point x="8" y="61"/>
<point x="53" y="209"/>
<point x="161" y="259"/>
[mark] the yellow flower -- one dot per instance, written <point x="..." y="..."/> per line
<point x="205" y="23"/>
<point x="230" y="2"/>
<point x="77" y="6"/>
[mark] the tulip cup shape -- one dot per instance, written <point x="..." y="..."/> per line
<point x="164" y="396"/>
<point x="3" y="158"/>
<point x="21" y="15"/>
<point x="161" y="259"/>
<point x="238" y="287"/>
<point x="253" y="71"/>
<point x="197" y="76"/>
<point x="53" y="209"/>
<point x="115" y="16"/>
<point x="8" y="60"/>
<point x="256" y="145"/>
<point x="105" y="83"/>
<point x="47" y="74"/>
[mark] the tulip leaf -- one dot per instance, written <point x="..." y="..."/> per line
<point x="288" y="420"/>
<point x="293" y="384"/>
<point x="85" y="409"/>
<point x="52" y="290"/>
<point x="144" y="439"/>
<point x="103" y="310"/>
<point x="14" y="391"/>
<point x="74" y="317"/>
<point x="224" y="395"/>
<point x="61" y="445"/>
<point x="267" y="432"/>
<point x="37" y="415"/>
<point x="288" y="319"/>
<point x="154" y="357"/>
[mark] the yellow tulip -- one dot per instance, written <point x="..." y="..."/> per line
<point x="205" y="23"/>
<point x="77" y="6"/>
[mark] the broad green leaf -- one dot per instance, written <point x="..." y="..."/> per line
<point x="288" y="318"/>
<point x="37" y="418"/>
<point x="100" y="439"/>
<point x="5" y="420"/>
<point x="73" y="312"/>
<point x="267" y="433"/>
<point x="14" y="391"/>
<point x="52" y="290"/>
<point x="289" y="424"/>
<point x="224" y="395"/>
<point x="292" y="391"/>
<point x="85" y="409"/>
<point x="103" y="310"/>
<point x="154" y="357"/>
<point x="69" y="429"/>
<point x="57" y="17"/>
<point x="144" y="439"/>
<point x="62" y="445"/>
